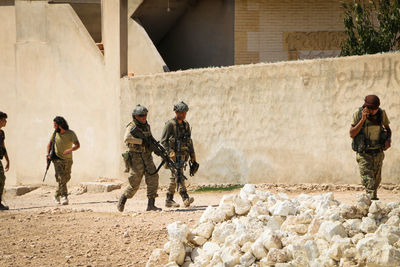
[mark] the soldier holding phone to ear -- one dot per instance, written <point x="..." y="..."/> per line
<point x="370" y="126"/>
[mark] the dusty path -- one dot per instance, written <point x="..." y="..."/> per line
<point x="90" y="232"/>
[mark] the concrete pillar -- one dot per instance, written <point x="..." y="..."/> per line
<point x="112" y="59"/>
<point x="115" y="36"/>
<point x="123" y="35"/>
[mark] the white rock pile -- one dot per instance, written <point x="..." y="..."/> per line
<point x="257" y="228"/>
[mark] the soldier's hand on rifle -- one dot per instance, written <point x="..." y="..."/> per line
<point x="193" y="158"/>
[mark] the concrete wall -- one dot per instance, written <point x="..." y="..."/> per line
<point x="7" y="82"/>
<point x="90" y="15"/>
<point x="260" y="28"/>
<point x="282" y="122"/>
<point x="203" y="37"/>
<point x="49" y="66"/>
<point x="143" y="57"/>
<point x="60" y="71"/>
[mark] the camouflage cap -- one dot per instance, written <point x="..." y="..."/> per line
<point x="139" y="110"/>
<point x="181" y="107"/>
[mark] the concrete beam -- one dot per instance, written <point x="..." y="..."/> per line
<point x="75" y="2"/>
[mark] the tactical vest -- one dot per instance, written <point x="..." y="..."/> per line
<point x="181" y="133"/>
<point x="139" y="146"/>
<point x="361" y="142"/>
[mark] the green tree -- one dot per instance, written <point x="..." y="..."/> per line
<point x="371" y="27"/>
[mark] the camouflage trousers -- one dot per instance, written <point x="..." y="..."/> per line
<point x="2" y="180"/>
<point x="370" y="170"/>
<point x="141" y="164"/>
<point x="173" y="183"/>
<point x="174" y="180"/>
<point x="62" y="168"/>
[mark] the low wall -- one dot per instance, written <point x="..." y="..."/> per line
<point x="282" y="122"/>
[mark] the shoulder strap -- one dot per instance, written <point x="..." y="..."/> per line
<point x="174" y="123"/>
<point x="186" y="125"/>
<point x="380" y="116"/>
<point x="53" y="139"/>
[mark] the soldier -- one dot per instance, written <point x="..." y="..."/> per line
<point x="3" y="153"/>
<point x="178" y="130"/>
<point x="140" y="161"/>
<point x="65" y="142"/>
<point x="372" y="125"/>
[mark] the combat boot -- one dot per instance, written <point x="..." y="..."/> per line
<point x="374" y="196"/>
<point x="3" y="207"/>
<point x="186" y="199"/>
<point x="64" y="200"/>
<point x="169" y="202"/>
<point x="121" y="203"/>
<point x="151" y="206"/>
<point x="370" y="193"/>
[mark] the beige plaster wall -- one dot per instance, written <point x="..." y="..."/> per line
<point x="281" y="122"/>
<point x="7" y="82"/>
<point x="143" y="57"/>
<point x="60" y="71"/>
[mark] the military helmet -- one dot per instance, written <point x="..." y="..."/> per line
<point x="139" y="110"/>
<point x="181" y="107"/>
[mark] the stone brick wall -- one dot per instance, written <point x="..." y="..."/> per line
<point x="264" y="28"/>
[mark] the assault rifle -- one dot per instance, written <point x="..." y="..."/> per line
<point x="52" y="154"/>
<point x="155" y="146"/>
<point x="180" y="164"/>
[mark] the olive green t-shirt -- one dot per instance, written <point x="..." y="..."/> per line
<point x="63" y="142"/>
<point x="371" y="130"/>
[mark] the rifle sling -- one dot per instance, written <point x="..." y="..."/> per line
<point x="158" y="168"/>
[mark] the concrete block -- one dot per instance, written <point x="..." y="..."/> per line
<point x="96" y="187"/>
<point x="20" y="190"/>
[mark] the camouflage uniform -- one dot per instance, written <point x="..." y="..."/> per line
<point x="63" y="163"/>
<point x="140" y="162"/>
<point x="173" y="133"/>
<point x="3" y="151"/>
<point x="370" y="169"/>
<point x="2" y="180"/>
<point x="62" y="169"/>
<point x="370" y="162"/>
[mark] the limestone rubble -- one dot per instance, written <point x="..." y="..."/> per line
<point x="256" y="228"/>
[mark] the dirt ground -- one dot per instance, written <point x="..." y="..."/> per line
<point x="91" y="232"/>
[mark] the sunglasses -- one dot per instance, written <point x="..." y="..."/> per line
<point x="142" y="115"/>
